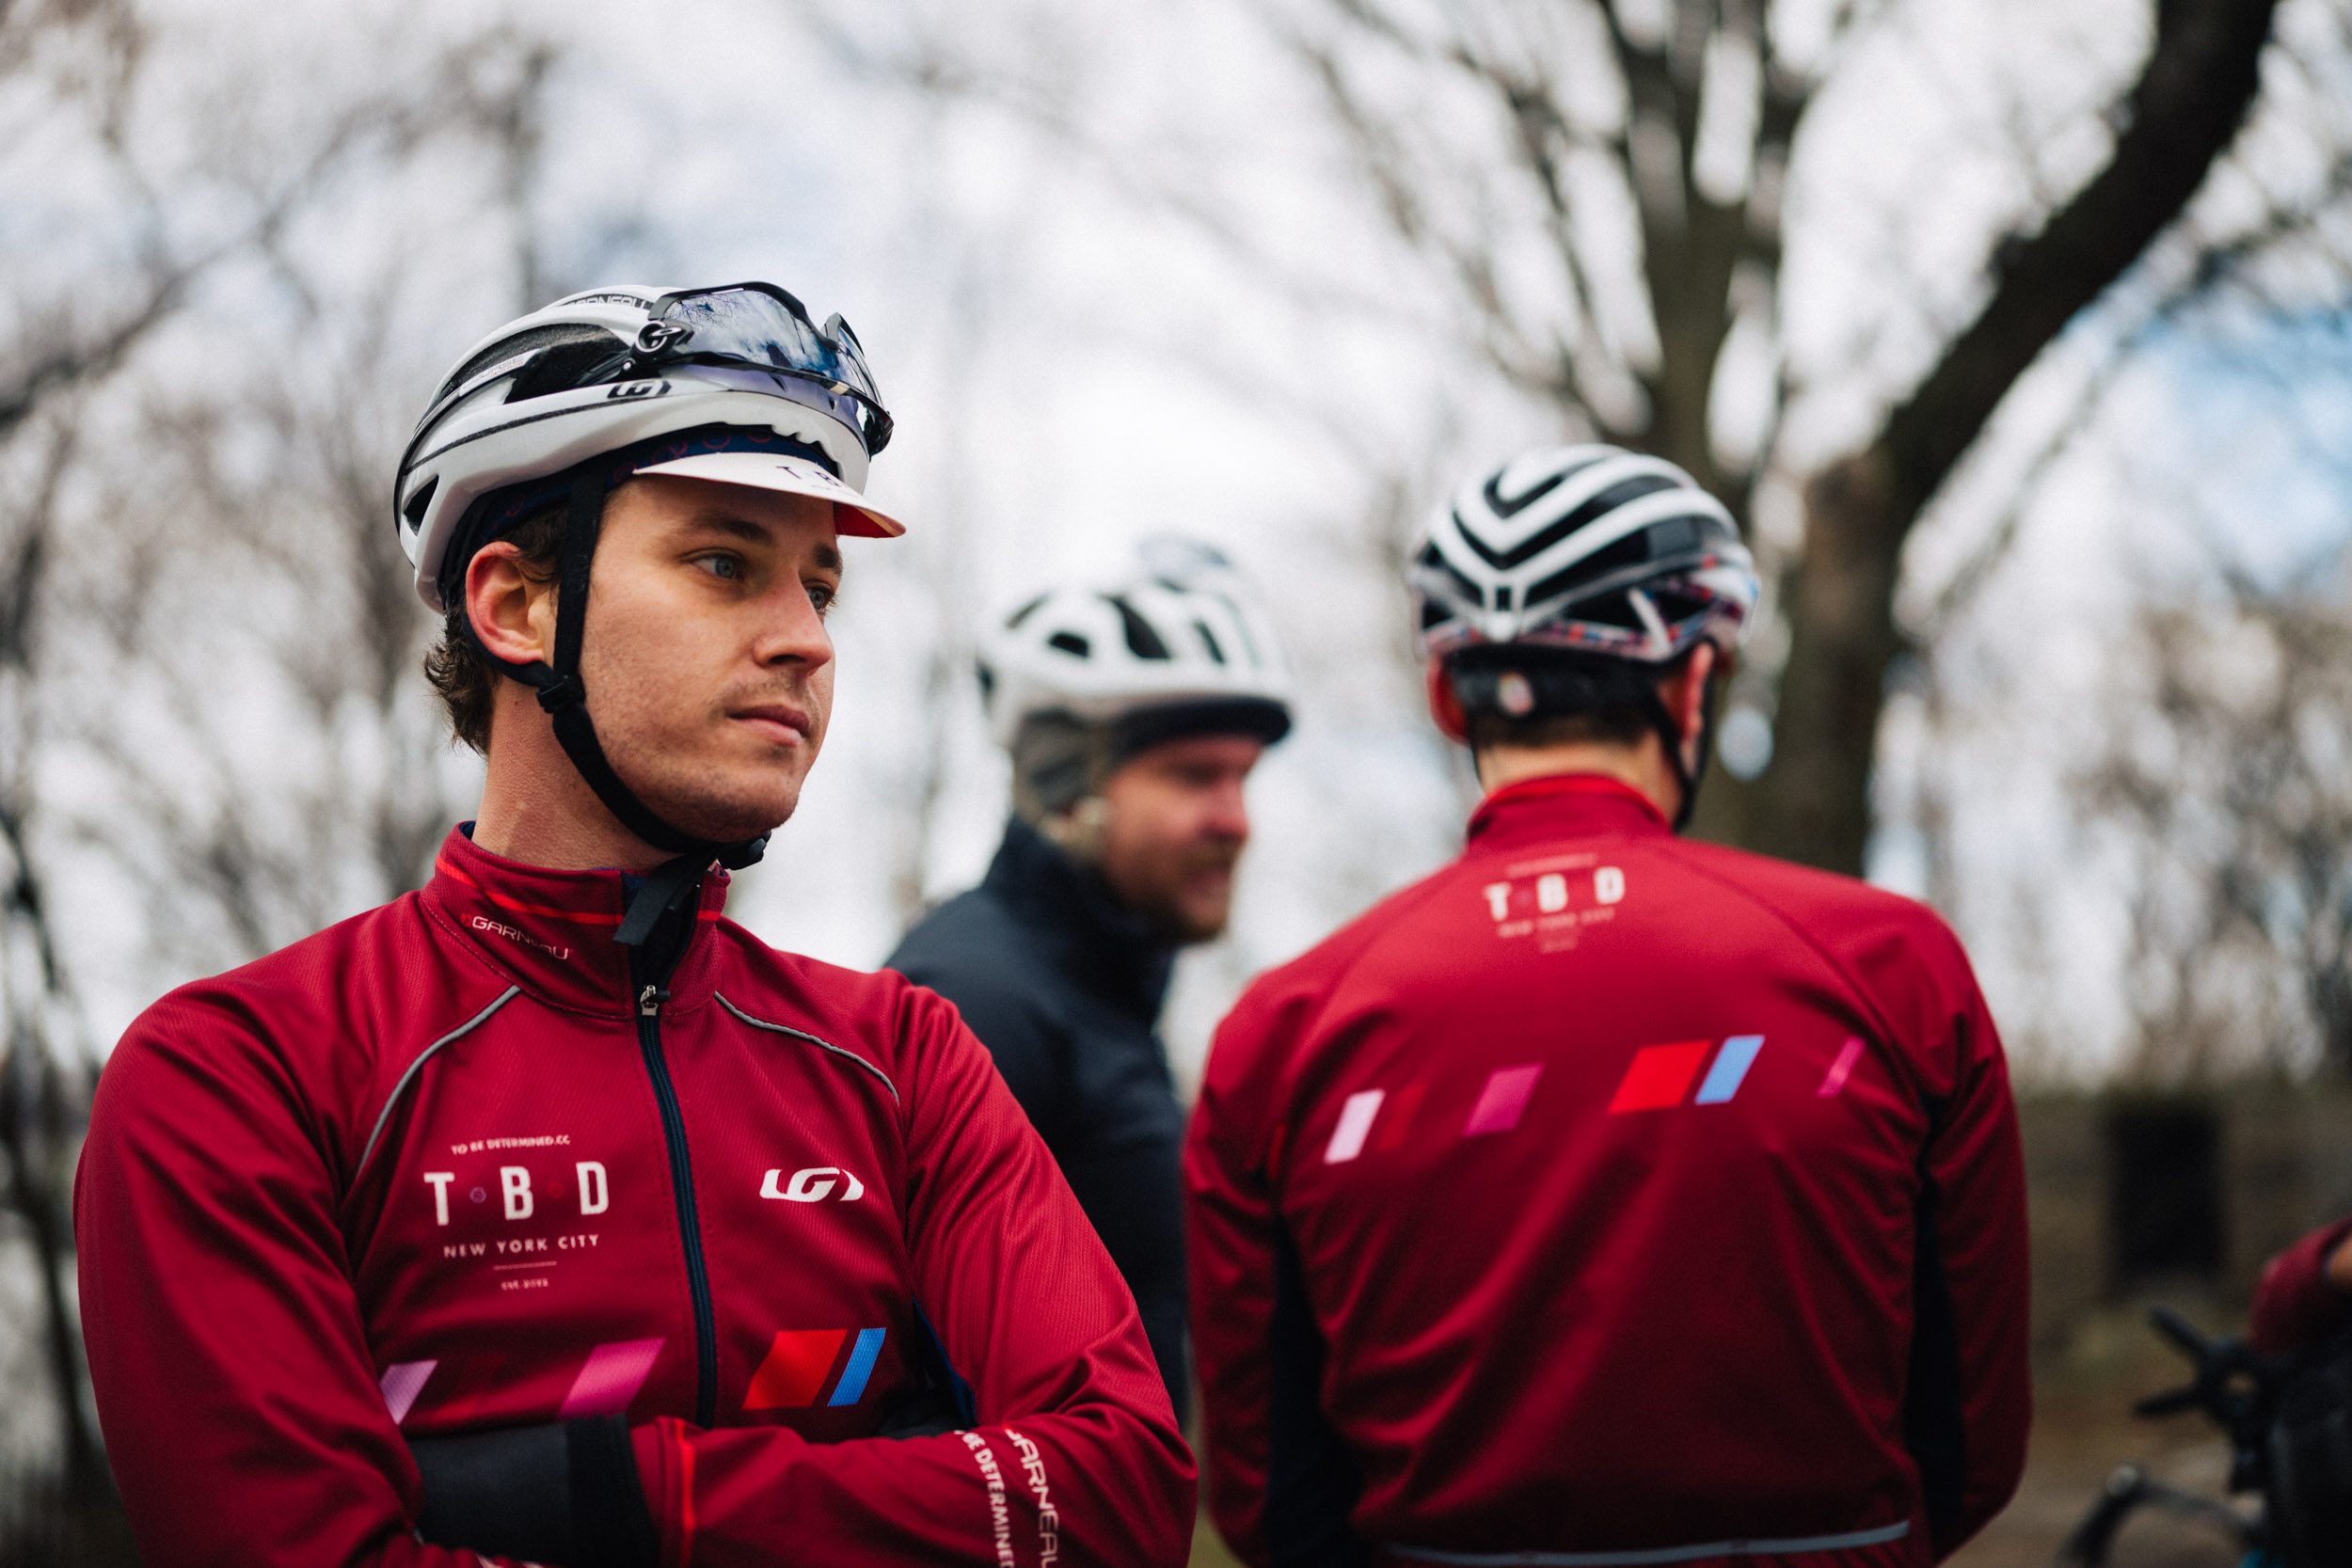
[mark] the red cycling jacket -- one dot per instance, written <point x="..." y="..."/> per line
<point x="2295" y="1307"/>
<point x="434" y="1170"/>
<point x="1608" y="1198"/>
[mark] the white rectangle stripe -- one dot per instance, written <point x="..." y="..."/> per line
<point x="1347" y="1138"/>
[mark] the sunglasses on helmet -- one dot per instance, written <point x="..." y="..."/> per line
<point x="761" y="327"/>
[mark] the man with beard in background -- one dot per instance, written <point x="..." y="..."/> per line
<point x="1133" y="712"/>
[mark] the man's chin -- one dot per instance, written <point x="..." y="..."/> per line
<point x="727" y="821"/>
<point x="1190" y="925"/>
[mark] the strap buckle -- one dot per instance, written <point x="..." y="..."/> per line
<point x="561" y="693"/>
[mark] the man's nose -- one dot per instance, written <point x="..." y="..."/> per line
<point x="792" y="632"/>
<point x="1228" y="814"/>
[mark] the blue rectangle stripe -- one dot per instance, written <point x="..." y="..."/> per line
<point x="1731" y="1066"/>
<point x="862" y="1357"/>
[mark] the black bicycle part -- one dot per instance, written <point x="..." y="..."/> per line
<point x="2238" y="1390"/>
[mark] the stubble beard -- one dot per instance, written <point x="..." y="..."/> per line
<point x="721" y="801"/>
<point x="1163" y="906"/>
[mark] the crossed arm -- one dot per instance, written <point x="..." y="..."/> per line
<point x="243" y="1418"/>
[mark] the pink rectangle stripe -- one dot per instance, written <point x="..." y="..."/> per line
<point x="1840" y="1069"/>
<point x="1347" y="1138"/>
<point x="1501" y="1100"/>
<point x="402" y="1382"/>
<point x="611" y="1378"/>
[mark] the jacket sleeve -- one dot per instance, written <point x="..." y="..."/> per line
<point x="1076" y="1460"/>
<point x="1970" y="1400"/>
<point x="2294" y="1306"/>
<point x="1253" y="1397"/>
<point x="234" y="1387"/>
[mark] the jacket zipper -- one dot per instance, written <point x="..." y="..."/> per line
<point x="649" y="1001"/>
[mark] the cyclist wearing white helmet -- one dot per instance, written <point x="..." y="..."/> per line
<point x="1607" y="1199"/>
<point x="1134" y="711"/>
<point x="543" y="1213"/>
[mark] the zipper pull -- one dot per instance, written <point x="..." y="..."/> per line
<point x="649" y="1002"/>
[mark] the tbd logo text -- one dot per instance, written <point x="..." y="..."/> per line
<point x="514" y="1191"/>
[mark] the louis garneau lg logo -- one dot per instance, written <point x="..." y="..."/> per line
<point x="813" y="1185"/>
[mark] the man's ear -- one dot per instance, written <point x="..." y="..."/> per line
<point x="1685" y="691"/>
<point x="1445" y="703"/>
<point x="513" y="616"/>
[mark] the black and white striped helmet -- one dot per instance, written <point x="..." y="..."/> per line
<point x="1590" y="549"/>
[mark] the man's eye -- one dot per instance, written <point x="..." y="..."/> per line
<point x="725" y="567"/>
<point x="823" y="595"/>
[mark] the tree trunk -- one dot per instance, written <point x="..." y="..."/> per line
<point x="1814" y="802"/>
<point x="1840" y="605"/>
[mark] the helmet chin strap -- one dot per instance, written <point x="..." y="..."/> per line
<point x="1670" y="737"/>
<point x="565" y="702"/>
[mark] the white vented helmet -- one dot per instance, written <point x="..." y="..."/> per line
<point x="1588" y="548"/>
<point x="733" y="384"/>
<point x="615" y="366"/>
<point x="1181" y="628"/>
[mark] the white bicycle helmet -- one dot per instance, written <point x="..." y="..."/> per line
<point x="614" y="367"/>
<point x="733" y="384"/>
<point x="1178" y="642"/>
<point x="1570" y="578"/>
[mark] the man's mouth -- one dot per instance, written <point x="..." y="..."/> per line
<point x="779" y="723"/>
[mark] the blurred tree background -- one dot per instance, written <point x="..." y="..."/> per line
<point x="2014" y="331"/>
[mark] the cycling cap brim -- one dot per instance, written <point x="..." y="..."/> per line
<point x="793" y="476"/>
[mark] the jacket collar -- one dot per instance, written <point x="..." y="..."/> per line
<point x="1107" y="948"/>
<point x="1534" y="811"/>
<point x="551" y="931"/>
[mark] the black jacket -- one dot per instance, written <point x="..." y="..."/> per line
<point x="1063" y="986"/>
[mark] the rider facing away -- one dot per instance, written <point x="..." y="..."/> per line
<point x="1134" y="711"/>
<point x="2306" y="1291"/>
<point x="543" y="1213"/>
<point x="1607" y="1197"/>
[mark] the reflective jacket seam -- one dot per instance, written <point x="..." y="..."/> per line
<point x="1844" y="1540"/>
<point x="804" y="1034"/>
<point x="408" y="1074"/>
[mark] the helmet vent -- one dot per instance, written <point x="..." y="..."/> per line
<point x="1674" y="536"/>
<point x="1012" y="621"/>
<point x="1072" y="644"/>
<point x="1591" y="510"/>
<point x="1511" y="506"/>
<point x="1632" y="550"/>
<point x="562" y="367"/>
<point x="1615" y="609"/>
<point x="521" y="343"/>
<point x="415" y="510"/>
<point x="1467" y="590"/>
<point x="1208" y="640"/>
<point x="1142" y="641"/>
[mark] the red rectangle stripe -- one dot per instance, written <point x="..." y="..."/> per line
<point x="795" y="1369"/>
<point x="1660" y="1077"/>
